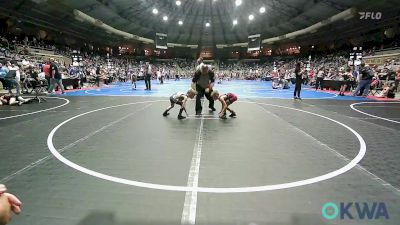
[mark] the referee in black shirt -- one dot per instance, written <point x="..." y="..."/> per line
<point x="203" y="83"/>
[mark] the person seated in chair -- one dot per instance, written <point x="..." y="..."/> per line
<point x="388" y="91"/>
<point x="30" y="75"/>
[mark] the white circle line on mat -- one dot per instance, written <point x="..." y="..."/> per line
<point x="280" y="186"/>
<point x="352" y="106"/>
<point x="39" y="111"/>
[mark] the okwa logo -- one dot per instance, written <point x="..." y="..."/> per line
<point x="355" y="210"/>
<point x="370" y="15"/>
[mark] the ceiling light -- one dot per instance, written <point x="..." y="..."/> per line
<point x="180" y="22"/>
<point x="155" y="11"/>
<point x="178" y="3"/>
<point x="238" y="2"/>
<point x="165" y="18"/>
<point x="262" y="10"/>
<point x="207" y="24"/>
<point x="234" y="22"/>
<point x="251" y="17"/>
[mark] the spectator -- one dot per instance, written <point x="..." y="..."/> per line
<point x="397" y="81"/>
<point x="346" y="81"/>
<point x="46" y="71"/>
<point x="3" y="73"/>
<point x="299" y="80"/>
<point x="13" y="78"/>
<point x="364" y="78"/>
<point x="148" y="72"/>
<point x="387" y="91"/>
<point x="320" y="78"/>
<point x="56" y="78"/>
<point x="98" y="75"/>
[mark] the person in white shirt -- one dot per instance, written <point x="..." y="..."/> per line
<point x="320" y="78"/>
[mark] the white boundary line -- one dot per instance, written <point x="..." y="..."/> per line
<point x="190" y="204"/>
<point x="298" y="183"/>
<point x="39" y="111"/>
<point x="378" y="117"/>
<point x="44" y="159"/>
<point x="339" y="155"/>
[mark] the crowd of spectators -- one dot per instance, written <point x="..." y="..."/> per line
<point x="97" y="69"/>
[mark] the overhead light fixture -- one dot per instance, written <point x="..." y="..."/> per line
<point x="155" y="11"/>
<point x="165" y="18"/>
<point x="207" y="24"/>
<point x="180" y="22"/>
<point x="262" y="9"/>
<point x="178" y="3"/>
<point x="235" y="22"/>
<point x="238" y="2"/>
<point x="251" y="17"/>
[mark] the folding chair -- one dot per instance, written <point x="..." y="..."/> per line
<point x="39" y="87"/>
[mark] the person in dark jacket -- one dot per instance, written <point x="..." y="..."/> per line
<point x="365" y="79"/>
<point x="203" y="83"/>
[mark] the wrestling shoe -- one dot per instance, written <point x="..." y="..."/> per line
<point x="223" y="117"/>
<point x="165" y="114"/>
<point x="233" y="114"/>
<point x="198" y="113"/>
<point x="181" y="117"/>
<point x="212" y="109"/>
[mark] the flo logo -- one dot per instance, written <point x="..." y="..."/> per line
<point x="370" y="15"/>
<point x="355" y="210"/>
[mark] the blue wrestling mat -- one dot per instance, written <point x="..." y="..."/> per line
<point x="242" y="88"/>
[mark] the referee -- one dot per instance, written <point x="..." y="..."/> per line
<point x="203" y="83"/>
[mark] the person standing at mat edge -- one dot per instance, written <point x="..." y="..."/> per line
<point x="203" y="83"/>
<point x="299" y="80"/>
<point x="55" y="77"/>
<point x="147" y="75"/>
